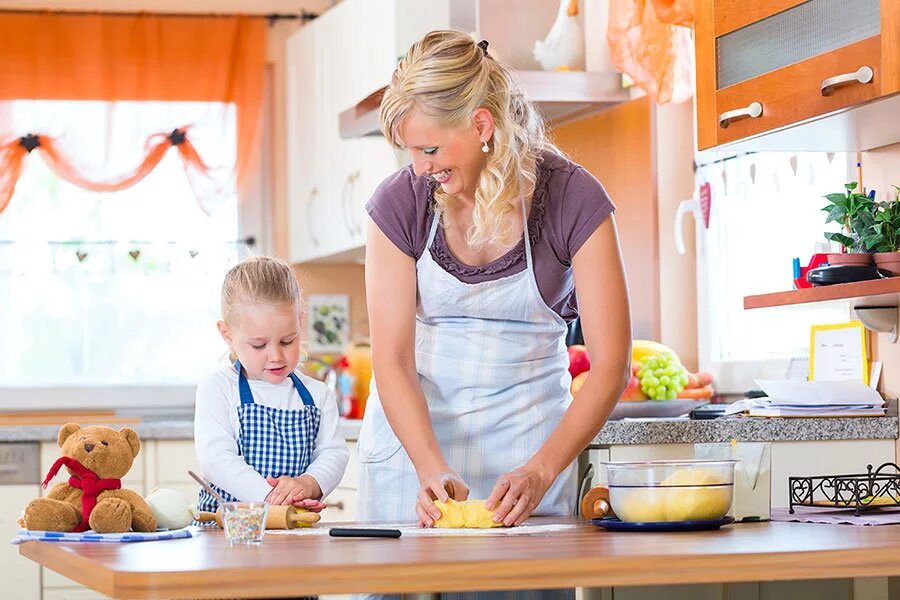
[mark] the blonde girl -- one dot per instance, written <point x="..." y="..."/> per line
<point x="262" y="429"/>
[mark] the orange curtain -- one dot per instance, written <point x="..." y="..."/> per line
<point x="650" y="41"/>
<point x="13" y="153"/>
<point x="139" y="57"/>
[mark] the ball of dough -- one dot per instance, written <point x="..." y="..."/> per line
<point x="468" y="513"/>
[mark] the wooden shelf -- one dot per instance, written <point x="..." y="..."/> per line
<point x="879" y="292"/>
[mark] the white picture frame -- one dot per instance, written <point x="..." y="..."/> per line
<point x="328" y="322"/>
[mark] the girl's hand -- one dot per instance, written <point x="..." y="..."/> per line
<point x="287" y="490"/>
<point x="441" y="484"/>
<point x="310" y="504"/>
<point x="517" y="493"/>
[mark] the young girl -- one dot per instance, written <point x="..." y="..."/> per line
<point x="262" y="429"/>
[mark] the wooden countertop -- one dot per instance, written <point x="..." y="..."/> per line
<point x="286" y="565"/>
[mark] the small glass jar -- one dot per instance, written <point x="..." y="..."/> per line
<point x="244" y="522"/>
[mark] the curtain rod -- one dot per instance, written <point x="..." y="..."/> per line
<point x="303" y="15"/>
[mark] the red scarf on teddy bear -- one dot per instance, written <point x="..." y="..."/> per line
<point x="85" y="480"/>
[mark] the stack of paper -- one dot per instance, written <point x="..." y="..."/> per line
<point x="812" y="399"/>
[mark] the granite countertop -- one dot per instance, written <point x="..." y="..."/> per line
<point x="636" y="431"/>
<point x="149" y="429"/>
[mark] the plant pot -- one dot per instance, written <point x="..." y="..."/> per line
<point x="889" y="261"/>
<point x="850" y="258"/>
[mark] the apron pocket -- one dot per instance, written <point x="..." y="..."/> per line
<point x="377" y="441"/>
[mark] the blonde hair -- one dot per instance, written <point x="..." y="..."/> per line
<point x="260" y="280"/>
<point x="447" y="76"/>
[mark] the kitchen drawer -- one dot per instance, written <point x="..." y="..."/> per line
<point x="350" y="480"/>
<point x="341" y="506"/>
<point x="793" y="94"/>
<point x="134" y="480"/>
<point x="174" y="458"/>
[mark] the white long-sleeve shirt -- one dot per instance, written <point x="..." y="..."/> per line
<point x="216" y="428"/>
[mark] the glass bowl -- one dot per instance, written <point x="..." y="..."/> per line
<point x="244" y="522"/>
<point x="664" y="491"/>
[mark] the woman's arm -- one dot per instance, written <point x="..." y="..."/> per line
<point x="603" y="309"/>
<point x="391" y="298"/>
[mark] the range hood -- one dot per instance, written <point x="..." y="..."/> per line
<point x="560" y="96"/>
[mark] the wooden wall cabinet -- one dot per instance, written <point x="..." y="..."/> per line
<point x="798" y="75"/>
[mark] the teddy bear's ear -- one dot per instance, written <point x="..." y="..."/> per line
<point x="67" y="430"/>
<point x="132" y="438"/>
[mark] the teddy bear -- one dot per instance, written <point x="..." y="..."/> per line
<point x="97" y="458"/>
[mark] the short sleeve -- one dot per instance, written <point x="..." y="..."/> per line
<point x="584" y="207"/>
<point x="399" y="207"/>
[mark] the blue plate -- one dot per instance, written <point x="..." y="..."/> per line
<point x="614" y="524"/>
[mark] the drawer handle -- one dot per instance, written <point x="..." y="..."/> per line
<point x="754" y="110"/>
<point x="338" y="505"/>
<point x="861" y="75"/>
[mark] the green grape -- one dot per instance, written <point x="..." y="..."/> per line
<point x="662" y="377"/>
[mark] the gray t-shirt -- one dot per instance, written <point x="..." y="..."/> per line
<point x="568" y="205"/>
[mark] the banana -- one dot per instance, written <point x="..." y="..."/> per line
<point x="640" y="349"/>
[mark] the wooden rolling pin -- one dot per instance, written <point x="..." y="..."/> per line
<point x="595" y="504"/>
<point x="278" y="517"/>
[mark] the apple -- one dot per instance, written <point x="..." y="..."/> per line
<point x="578" y="360"/>
<point x="578" y="381"/>
<point x="633" y="391"/>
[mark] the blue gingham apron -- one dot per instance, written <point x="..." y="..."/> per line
<point x="492" y="363"/>
<point x="273" y="441"/>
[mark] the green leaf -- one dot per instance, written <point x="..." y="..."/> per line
<point x="850" y="186"/>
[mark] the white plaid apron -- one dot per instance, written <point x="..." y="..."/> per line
<point x="492" y="362"/>
<point x="273" y="441"/>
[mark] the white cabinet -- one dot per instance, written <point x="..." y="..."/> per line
<point x="27" y="581"/>
<point x="332" y="63"/>
<point x="342" y="502"/>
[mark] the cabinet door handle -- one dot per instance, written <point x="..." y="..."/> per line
<point x="753" y="110"/>
<point x="861" y="75"/>
<point x="354" y="177"/>
<point x="345" y="196"/>
<point x="338" y="505"/>
<point x="309" y="228"/>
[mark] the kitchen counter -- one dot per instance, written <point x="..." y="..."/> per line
<point x="745" y="429"/>
<point x="148" y="429"/>
<point x="650" y="431"/>
<point x="580" y="555"/>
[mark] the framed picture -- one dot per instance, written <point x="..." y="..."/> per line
<point x="328" y="322"/>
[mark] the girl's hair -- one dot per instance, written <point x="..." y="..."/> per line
<point x="260" y="280"/>
<point x="447" y="76"/>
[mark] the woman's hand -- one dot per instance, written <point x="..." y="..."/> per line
<point x="310" y="505"/>
<point x="517" y="493"/>
<point x="439" y="484"/>
<point x="289" y="490"/>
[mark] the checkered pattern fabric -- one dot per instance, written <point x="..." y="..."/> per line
<point x="273" y="441"/>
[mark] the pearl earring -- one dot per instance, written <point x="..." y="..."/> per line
<point x="484" y="147"/>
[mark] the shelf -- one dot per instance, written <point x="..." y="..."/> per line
<point x="879" y="292"/>
<point x="873" y="302"/>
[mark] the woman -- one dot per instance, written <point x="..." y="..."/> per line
<point x="468" y="321"/>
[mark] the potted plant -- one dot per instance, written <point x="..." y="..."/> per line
<point x="855" y="212"/>
<point x="883" y="236"/>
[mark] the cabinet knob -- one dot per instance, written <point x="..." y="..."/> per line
<point x="338" y="505"/>
<point x="753" y="110"/>
<point x="861" y="75"/>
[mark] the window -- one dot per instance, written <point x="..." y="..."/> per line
<point x="765" y="210"/>
<point x="106" y="289"/>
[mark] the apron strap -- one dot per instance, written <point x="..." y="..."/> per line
<point x="243" y="384"/>
<point x="301" y="389"/>
<point x="247" y="395"/>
